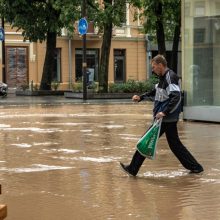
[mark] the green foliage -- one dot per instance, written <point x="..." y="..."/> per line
<point x="171" y="12"/>
<point x="36" y="17"/>
<point x="24" y="87"/>
<point x="77" y="87"/>
<point x="55" y="84"/>
<point x="132" y="86"/>
<point x="110" y="11"/>
<point x="93" y="86"/>
<point x="35" y="87"/>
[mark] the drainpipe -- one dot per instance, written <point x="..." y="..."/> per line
<point x="70" y="64"/>
<point x="84" y="64"/>
<point x="3" y="53"/>
<point x="148" y="55"/>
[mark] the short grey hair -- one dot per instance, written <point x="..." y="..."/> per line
<point x="160" y="59"/>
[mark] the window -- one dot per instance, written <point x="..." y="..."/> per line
<point x="92" y="58"/>
<point x="200" y="8"/>
<point x="199" y="35"/>
<point x="57" y="67"/>
<point x="201" y="64"/>
<point x="119" y="65"/>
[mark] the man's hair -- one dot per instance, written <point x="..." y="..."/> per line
<point x="159" y="59"/>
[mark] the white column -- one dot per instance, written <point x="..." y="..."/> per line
<point x="32" y="56"/>
<point x="128" y="29"/>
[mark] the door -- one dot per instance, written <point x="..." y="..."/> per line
<point x="16" y="66"/>
<point x="119" y="66"/>
<point x="92" y="59"/>
<point x="56" y="75"/>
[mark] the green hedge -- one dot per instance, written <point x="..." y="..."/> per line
<point x="132" y="86"/>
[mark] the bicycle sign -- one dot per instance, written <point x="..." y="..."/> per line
<point x="82" y="26"/>
<point x="2" y="34"/>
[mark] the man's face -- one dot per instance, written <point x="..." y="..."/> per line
<point x="157" y="68"/>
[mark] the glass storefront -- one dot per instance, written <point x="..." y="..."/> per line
<point x="201" y="63"/>
<point x="92" y="57"/>
<point x="119" y="65"/>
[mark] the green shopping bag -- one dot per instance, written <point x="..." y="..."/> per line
<point x="148" y="142"/>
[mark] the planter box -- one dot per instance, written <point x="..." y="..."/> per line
<point x="38" y="93"/>
<point x="75" y="95"/>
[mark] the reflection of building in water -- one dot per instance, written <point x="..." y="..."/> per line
<point x="201" y="66"/>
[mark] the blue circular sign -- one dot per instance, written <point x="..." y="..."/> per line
<point x="82" y="26"/>
<point x="2" y="34"/>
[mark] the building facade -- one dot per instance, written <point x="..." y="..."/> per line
<point x="200" y="59"/>
<point x="25" y="60"/>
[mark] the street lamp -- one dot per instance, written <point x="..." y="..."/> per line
<point x="82" y="28"/>
<point x="3" y="52"/>
<point x="148" y="39"/>
<point x="84" y="63"/>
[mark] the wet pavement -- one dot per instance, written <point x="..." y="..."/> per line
<point x="12" y="99"/>
<point x="59" y="160"/>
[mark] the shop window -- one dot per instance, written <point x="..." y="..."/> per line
<point x="57" y="67"/>
<point x="199" y="35"/>
<point x="92" y="59"/>
<point x="119" y="65"/>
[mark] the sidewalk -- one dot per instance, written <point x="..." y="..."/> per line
<point x="12" y="99"/>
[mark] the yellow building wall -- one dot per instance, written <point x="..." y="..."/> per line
<point x="131" y="40"/>
<point x="135" y="57"/>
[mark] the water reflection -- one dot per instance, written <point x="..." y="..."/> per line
<point x="61" y="162"/>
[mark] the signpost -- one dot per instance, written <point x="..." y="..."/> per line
<point x="2" y="34"/>
<point x="2" y="39"/>
<point x="82" y="28"/>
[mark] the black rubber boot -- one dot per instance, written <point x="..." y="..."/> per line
<point x="198" y="169"/>
<point x="135" y="164"/>
<point x="126" y="169"/>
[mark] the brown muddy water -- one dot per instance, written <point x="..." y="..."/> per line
<point x="62" y="163"/>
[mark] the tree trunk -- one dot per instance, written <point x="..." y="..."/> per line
<point x="104" y="61"/>
<point x="49" y="62"/>
<point x="176" y="38"/>
<point x="160" y="29"/>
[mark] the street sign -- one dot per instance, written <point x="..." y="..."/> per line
<point x="82" y="26"/>
<point x="2" y="34"/>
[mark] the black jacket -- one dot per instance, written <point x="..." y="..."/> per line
<point x="167" y="96"/>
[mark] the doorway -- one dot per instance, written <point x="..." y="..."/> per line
<point x="119" y="65"/>
<point x="16" y="66"/>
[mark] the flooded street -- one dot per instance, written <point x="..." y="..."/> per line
<point x="61" y="162"/>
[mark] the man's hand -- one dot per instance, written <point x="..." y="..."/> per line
<point x="136" y="98"/>
<point x="160" y="115"/>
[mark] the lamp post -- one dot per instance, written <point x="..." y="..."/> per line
<point x="149" y="54"/>
<point x="84" y="63"/>
<point x="3" y="53"/>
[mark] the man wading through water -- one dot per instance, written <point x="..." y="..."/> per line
<point x="167" y="105"/>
